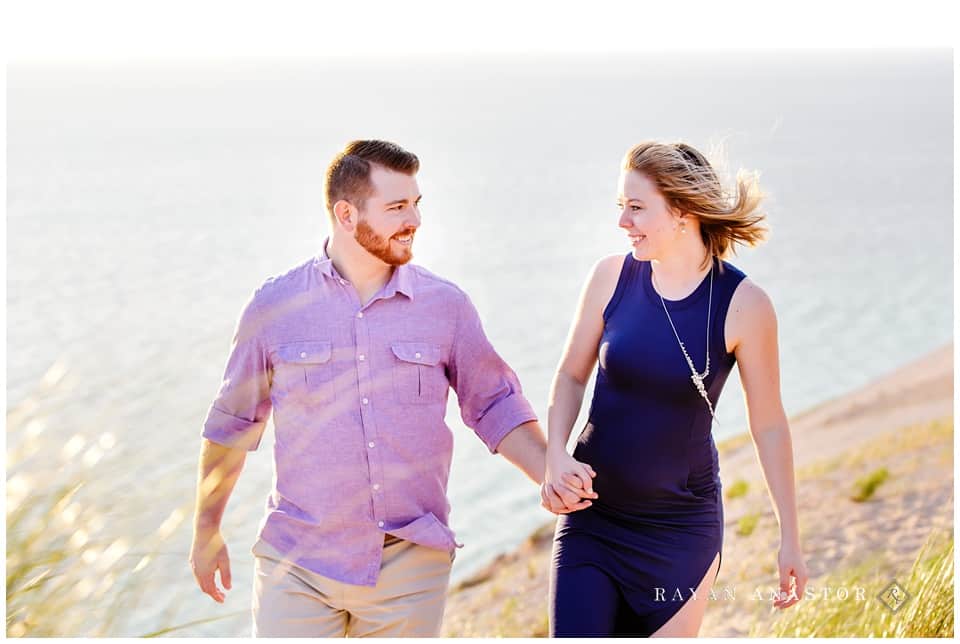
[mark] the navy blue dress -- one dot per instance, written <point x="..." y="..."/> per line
<point x="626" y="565"/>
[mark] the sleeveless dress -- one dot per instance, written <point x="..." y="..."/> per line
<point x="628" y="563"/>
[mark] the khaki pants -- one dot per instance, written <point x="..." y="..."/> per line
<point x="408" y="600"/>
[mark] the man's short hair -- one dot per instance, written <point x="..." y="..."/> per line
<point x="348" y="176"/>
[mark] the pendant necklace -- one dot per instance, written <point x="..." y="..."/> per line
<point x="695" y="376"/>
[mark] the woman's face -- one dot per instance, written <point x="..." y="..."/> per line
<point x="650" y="225"/>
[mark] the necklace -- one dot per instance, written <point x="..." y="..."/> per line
<point x="696" y="376"/>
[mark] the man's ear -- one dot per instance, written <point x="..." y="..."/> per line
<point x="345" y="214"/>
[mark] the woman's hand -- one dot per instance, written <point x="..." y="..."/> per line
<point x="793" y="575"/>
<point x="567" y="485"/>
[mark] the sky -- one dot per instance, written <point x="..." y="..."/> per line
<point x="178" y="29"/>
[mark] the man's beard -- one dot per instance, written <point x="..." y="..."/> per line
<point x="379" y="247"/>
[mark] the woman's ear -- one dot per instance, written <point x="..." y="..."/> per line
<point x="678" y="217"/>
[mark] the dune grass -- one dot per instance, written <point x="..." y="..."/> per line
<point x="69" y="573"/>
<point x="865" y="486"/>
<point x="927" y="613"/>
<point x="733" y="443"/>
<point x="747" y="524"/>
<point x="737" y="489"/>
<point x="904" y="440"/>
<point x="65" y="578"/>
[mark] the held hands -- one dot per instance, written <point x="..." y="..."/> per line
<point x="567" y="484"/>
<point x="207" y="555"/>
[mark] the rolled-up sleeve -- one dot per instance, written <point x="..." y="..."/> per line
<point x="242" y="406"/>
<point x="491" y="399"/>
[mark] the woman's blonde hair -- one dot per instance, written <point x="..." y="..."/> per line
<point x="688" y="183"/>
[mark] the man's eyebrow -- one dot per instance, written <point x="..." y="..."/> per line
<point x="399" y="201"/>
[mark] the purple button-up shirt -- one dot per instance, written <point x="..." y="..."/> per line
<point x="358" y="395"/>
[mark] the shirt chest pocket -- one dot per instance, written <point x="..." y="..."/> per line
<point x="305" y="368"/>
<point x="418" y="375"/>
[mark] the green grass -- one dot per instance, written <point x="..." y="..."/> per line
<point x="928" y="613"/>
<point x="906" y="439"/>
<point x="738" y="489"/>
<point x="865" y="486"/>
<point x="747" y="524"/>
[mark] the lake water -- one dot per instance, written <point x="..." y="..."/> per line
<point x="146" y="201"/>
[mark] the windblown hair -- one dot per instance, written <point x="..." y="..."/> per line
<point x="689" y="184"/>
<point x="348" y="176"/>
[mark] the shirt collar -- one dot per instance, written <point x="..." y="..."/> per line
<point x="324" y="263"/>
<point x="400" y="282"/>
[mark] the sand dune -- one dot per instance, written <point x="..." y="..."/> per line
<point x="902" y="422"/>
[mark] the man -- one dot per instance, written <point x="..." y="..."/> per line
<point x="354" y="352"/>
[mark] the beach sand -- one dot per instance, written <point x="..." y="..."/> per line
<point x="903" y="422"/>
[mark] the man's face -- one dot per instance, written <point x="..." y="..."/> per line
<point x="390" y="217"/>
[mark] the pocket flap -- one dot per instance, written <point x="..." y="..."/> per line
<point x="426" y="530"/>
<point x="417" y="352"/>
<point x="313" y="352"/>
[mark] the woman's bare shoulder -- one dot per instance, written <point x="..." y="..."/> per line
<point x="602" y="282"/>
<point x="750" y="299"/>
<point x="750" y="314"/>
<point x="608" y="268"/>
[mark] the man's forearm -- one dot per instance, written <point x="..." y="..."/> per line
<point x="219" y="469"/>
<point x="526" y="448"/>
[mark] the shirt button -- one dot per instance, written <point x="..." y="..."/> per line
<point x="376" y="486"/>
<point x="417" y="355"/>
<point x="366" y="401"/>
<point x="380" y="523"/>
<point x="371" y="444"/>
<point x="361" y="357"/>
<point x="359" y="314"/>
<point x="343" y="281"/>
<point x="303" y="354"/>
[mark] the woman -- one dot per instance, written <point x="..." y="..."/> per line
<point x="666" y="322"/>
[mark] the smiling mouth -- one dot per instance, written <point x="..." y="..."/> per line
<point x="637" y="238"/>
<point x="406" y="240"/>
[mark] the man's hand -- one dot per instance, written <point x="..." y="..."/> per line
<point x="220" y="467"/>
<point x="207" y="555"/>
<point x="567" y="485"/>
<point x="552" y="501"/>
